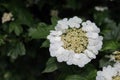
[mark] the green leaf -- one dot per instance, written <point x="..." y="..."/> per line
<point x="34" y="33"/>
<point x="89" y="72"/>
<point x="104" y="62"/>
<point x="54" y="20"/>
<point x="2" y="37"/>
<point x="50" y="66"/>
<point x="11" y="27"/>
<point x="77" y="73"/>
<point x="74" y="77"/>
<point x="16" y="49"/>
<point x="45" y="43"/>
<point x="62" y="76"/>
<point x="2" y="42"/>
<point x="41" y="31"/>
<point x="110" y="24"/>
<point x="111" y="30"/>
<point x="92" y="75"/>
<point x="110" y="45"/>
<point x="100" y="17"/>
<point x="115" y="33"/>
<point x="16" y="28"/>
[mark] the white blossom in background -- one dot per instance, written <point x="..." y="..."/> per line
<point x="109" y="73"/>
<point x="75" y="42"/>
<point x="7" y="17"/>
<point x="54" y="12"/>
<point x="101" y="8"/>
<point x="115" y="56"/>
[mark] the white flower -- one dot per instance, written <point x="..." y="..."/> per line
<point x="115" y="56"/>
<point x="54" y="13"/>
<point x="117" y="66"/>
<point x="75" y="42"/>
<point x="101" y="8"/>
<point x="109" y="73"/>
<point x="74" y="22"/>
<point x="7" y="17"/>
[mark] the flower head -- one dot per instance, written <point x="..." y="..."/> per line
<point x="7" y="17"/>
<point x="75" y="42"/>
<point x="101" y="8"/>
<point x="115" y="56"/>
<point x="109" y="73"/>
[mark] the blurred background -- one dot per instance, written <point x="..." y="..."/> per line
<point x="25" y="24"/>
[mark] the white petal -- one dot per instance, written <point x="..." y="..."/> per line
<point x="90" y="54"/>
<point x="97" y="47"/>
<point x="54" y="48"/>
<point x="74" y="22"/>
<point x="55" y="33"/>
<point x="100" y="78"/>
<point x="84" y="60"/>
<point x="63" y="21"/>
<point x="75" y="19"/>
<point x="90" y="27"/>
<point x="56" y="52"/>
<point x="93" y="49"/>
<point x="72" y="25"/>
<point x="117" y="67"/>
<point x="79" y="59"/>
<point x="92" y="35"/>
<point x="69" y="62"/>
<point x="100" y="38"/>
<point x="94" y="42"/>
<point x="77" y="26"/>
<point x="54" y="39"/>
<point x="75" y="61"/>
<point x="56" y="45"/>
<point x="77" y="56"/>
<point x="64" y="56"/>
<point x="61" y="27"/>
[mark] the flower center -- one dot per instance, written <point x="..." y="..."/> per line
<point x="75" y="39"/>
<point x="117" y="55"/>
<point x="116" y="78"/>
